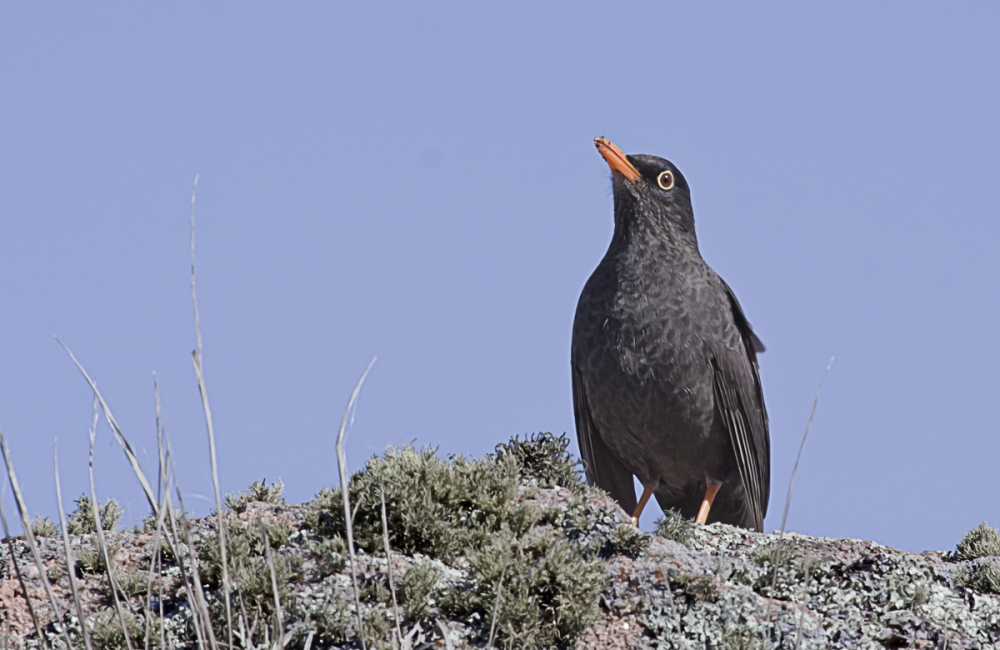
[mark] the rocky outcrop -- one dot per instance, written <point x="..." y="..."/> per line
<point x="511" y="550"/>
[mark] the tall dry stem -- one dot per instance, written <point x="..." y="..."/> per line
<point x="200" y="602"/>
<point x="68" y="551"/>
<point x="20" y="577"/>
<point x="101" y="543"/>
<point x="119" y="435"/>
<point x="496" y="607"/>
<point x="156" y="561"/>
<point x="805" y="603"/>
<point x="791" y="487"/>
<point x="795" y="469"/>
<point x="29" y="536"/>
<point x="388" y="567"/>
<point x="196" y="357"/>
<point x="279" y="633"/>
<point x="198" y="618"/>
<point x="345" y="491"/>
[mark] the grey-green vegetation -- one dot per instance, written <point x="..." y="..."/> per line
<point x="107" y="632"/>
<point x="981" y="541"/>
<point x="481" y="532"/>
<point x="512" y="543"/>
<point x="675" y="527"/>
<point x="43" y="527"/>
<point x="629" y="540"/>
<point x="90" y="561"/>
<point x="981" y="576"/>
<point x="257" y="492"/>
<point x="82" y="521"/>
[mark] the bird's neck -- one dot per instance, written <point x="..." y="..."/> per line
<point x="655" y="238"/>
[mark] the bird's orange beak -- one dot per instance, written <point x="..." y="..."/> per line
<point x="616" y="159"/>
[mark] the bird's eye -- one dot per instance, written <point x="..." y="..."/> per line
<point x="665" y="180"/>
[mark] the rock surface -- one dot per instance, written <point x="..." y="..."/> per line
<point x="586" y="579"/>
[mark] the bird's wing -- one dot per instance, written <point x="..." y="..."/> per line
<point x="740" y="401"/>
<point x="602" y="467"/>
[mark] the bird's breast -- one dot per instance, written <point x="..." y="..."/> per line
<point x="639" y="340"/>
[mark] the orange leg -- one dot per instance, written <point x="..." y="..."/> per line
<point x="646" y="493"/>
<point x="706" y="504"/>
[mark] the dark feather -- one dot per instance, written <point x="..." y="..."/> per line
<point x="602" y="467"/>
<point x="740" y="402"/>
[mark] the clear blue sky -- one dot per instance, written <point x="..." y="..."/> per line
<point x="421" y="184"/>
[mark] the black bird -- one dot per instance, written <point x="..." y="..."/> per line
<point x="665" y="380"/>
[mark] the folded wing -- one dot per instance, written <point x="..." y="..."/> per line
<point x="740" y="404"/>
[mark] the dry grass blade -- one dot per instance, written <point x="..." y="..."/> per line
<point x="194" y="291"/>
<point x="445" y="635"/>
<point x="161" y="470"/>
<point x="496" y="608"/>
<point x="170" y="538"/>
<point x="155" y="568"/>
<point x="388" y="568"/>
<point x="101" y="543"/>
<point x="162" y="489"/>
<point x="199" y="591"/>
<point x="244" y="617"/>
<point x="345" y="491"/>
<point x="219" y="512"/>
<point x="197" y="356"/>
<point x="70" y="562"/>
<point x="29" y="535"/>
<point x="119" y="436"/>
<point x="280" y="632"/>
<point x="176" y="547"/>
<point x="795" y="469"/>
<point x="197" y="619"/>
<point x="20" y="577"/>
<point x="159" y="598"/>
<point x="805" y="602"/>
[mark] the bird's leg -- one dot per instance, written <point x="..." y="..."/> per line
<point x="646" y="493"/>
<point x="706" y="504"/>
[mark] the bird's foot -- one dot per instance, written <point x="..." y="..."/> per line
<point x="646" y="493"/>
<point x="706" y="504"/>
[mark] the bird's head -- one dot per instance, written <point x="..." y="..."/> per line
<point x="650" y="192"/>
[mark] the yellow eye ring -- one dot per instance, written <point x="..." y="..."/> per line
<point x="665" y="180"/>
